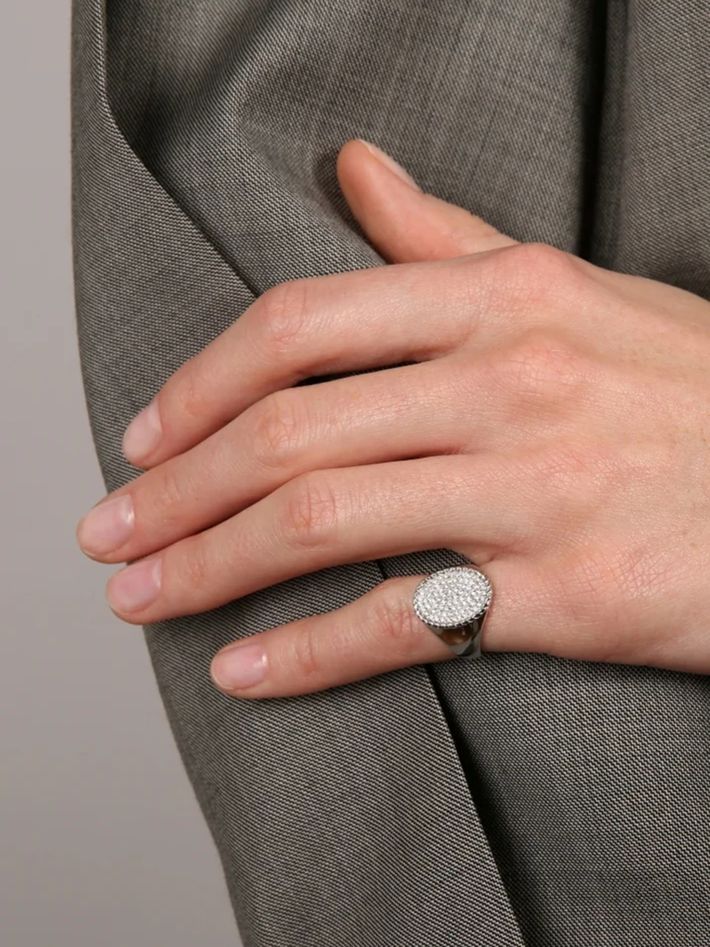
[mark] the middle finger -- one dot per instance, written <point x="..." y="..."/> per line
<point x="473" y="504"/>
<point x="365" y="419"/>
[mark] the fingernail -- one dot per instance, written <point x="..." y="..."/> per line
<point x="142" y="434"/>
<point x="239" y="667"/>
<point x="108" y="526"/>
<point x="135" y="587"/>
<point x="390" y="163"/>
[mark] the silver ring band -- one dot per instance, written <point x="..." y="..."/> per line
<point x="454" y="603"/>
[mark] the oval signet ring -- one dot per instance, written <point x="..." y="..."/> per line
<point x="454" y="603"/>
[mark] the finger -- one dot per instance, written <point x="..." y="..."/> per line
<point x="401" y="221"/>
<point x="363" y="419"/>
<point x="471" y="405"/>
<point x="304" y="328"/>
<point x="329" y="517"/>
<point x="377" y="633"/>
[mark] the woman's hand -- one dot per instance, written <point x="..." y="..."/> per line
<point x="552" y="426"/>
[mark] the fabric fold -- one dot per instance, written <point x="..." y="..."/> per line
<point x="342" y="817"/>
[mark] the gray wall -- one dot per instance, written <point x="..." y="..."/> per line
<point x="101" y="841"/>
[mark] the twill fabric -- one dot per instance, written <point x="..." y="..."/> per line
<point x="517" y="799"/>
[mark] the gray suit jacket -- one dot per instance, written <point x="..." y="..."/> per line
<point x="514" y="800"/>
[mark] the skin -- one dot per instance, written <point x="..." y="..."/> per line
<point x="551" y="423"/>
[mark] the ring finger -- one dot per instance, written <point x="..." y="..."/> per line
<point x="378" y="632"/>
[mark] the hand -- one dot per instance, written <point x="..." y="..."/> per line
<point x="552" y="425"/>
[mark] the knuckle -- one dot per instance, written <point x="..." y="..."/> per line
<point x="310" y="512"/>
<point x="475" y="282"/>
<point x="568" y="461"/>
<point x="282" y="316"/>
<point x="575" y="478"/>
<point x="540" y="263"/>
<point x="395" y="619"/>
<point x="167" y="496"/>
<point x="306" y="653"/>
<point x="565" y="484"/>
<point x="279" y="429"/>
<point x="533" y="274"/>
<point x="192" y="568"/>
<point x="540" y="366"/>
<point x="188" y="393"/>
<point x="601" y="595"/>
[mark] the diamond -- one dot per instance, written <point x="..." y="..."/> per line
<point x="452" y="597"/>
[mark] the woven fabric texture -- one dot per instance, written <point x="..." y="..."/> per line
<point x="516" y="800"/>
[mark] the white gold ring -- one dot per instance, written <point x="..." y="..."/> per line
<point x="454" y="603"/>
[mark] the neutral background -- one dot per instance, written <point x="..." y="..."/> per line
<point x="102" y="841"/>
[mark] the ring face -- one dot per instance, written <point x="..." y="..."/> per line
<point x="453" y="603"/>
<point x="452" y="597"/>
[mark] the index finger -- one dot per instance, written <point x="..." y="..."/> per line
<point x="304" y="328"/>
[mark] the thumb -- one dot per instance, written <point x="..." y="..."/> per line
<point x="399" y="219"/>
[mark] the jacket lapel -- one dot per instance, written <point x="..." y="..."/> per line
<point x="341" y="817"/>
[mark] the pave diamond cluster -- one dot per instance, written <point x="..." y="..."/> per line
<point x="452" y="597"/>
